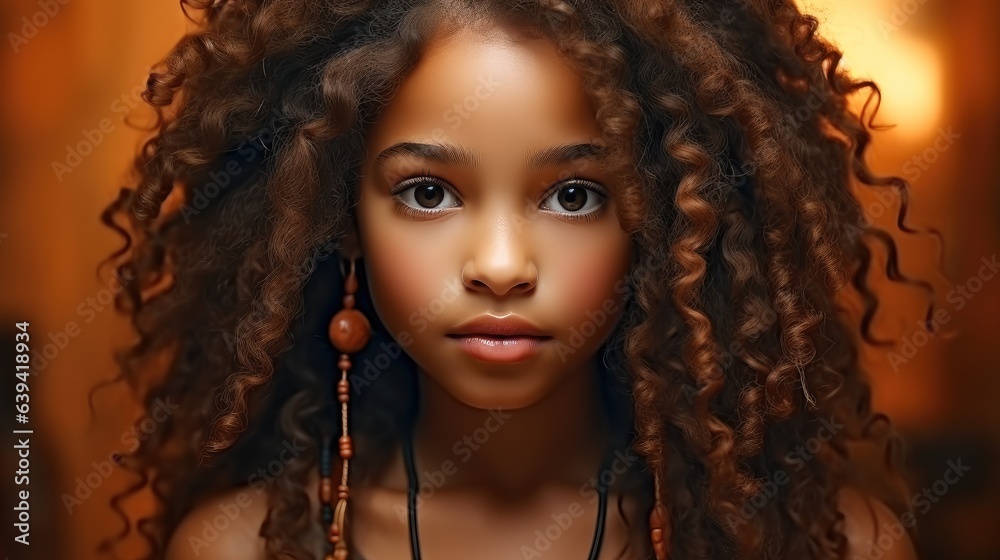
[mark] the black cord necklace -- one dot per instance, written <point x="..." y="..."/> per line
<point x="412" y="490"/>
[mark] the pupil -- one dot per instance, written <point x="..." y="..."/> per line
<point x="429" y="196"/>
<point x="573" y="198"/>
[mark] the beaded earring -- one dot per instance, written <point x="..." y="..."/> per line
<point x="659" y="533"/>
<point x="349" y="332"/>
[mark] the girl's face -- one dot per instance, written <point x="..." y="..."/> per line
<point x="477" y="201"/>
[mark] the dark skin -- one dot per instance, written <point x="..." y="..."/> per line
<point x="499" y="240"/>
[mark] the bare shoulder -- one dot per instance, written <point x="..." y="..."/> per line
<point x="872" y="529"/>
<point x="626" y="534"/>
<point x="225" y="527"/>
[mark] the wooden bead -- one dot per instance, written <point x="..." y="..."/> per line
<point x="657" y="523"/>
<point x="343" y="397"/>
<point x="658" y="517"/>
<point x="349" y="301"/>
<point x="343" y="387"/>
<point x="349" y="330"/>
<point x="344" y="364"/>
<point x="351" y="284"/>
<point x="346" y="449"/>
<point x="326" y="490"/>
<point x="342" y="492"/>
<point x="333" y="535"/>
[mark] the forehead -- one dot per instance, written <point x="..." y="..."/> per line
<point x="498" y="95"/>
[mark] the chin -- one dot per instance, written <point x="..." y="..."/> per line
<point x="491" y="394"/>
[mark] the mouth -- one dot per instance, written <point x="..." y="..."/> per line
<point x="497" y="348"/>
<point x="505" y="339"/>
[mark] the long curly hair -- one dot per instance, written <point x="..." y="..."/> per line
<point x="735" y="348"/>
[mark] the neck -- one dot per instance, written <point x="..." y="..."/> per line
<point x="559" y="439"/>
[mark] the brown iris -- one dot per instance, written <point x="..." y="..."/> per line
<point x="572" y="198"/>
<point x="429" y="195"/>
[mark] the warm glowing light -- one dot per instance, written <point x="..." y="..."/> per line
<point x="878" y="45"/>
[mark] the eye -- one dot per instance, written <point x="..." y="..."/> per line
<point x="576" y="197"/>
<point x="427" y="194"/>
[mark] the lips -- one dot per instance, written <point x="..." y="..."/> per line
<point x="495" y="326"/>
<point x="505" y="339"/>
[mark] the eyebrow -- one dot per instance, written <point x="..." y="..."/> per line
<point x="450" y="154"/>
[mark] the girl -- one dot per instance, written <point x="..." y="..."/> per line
<point x="524" y="279"/>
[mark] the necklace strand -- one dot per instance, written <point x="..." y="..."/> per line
<point x="413" y="490"/>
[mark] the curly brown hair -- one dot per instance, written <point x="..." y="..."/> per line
<point x="733" y="349"/>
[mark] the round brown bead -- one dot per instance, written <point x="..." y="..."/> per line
<point x="343" y="397"/>
<point x="346" y="451"/>
<point x="349" y="330"/>
<point x="342" y="491"/>
<point x="343" y="387"/>
<point x="349" y="301"/>
<point x="344" y="364"/>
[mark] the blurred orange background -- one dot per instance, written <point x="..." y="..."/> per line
<point x="72" y="76"/>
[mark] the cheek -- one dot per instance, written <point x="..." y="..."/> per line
<point x="403" y="275"/>
<point x="586" y="274"/>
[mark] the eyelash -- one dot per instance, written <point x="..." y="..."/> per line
<point x="425" y="177"/>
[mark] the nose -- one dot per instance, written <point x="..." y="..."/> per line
<point x="501" y="262"/>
